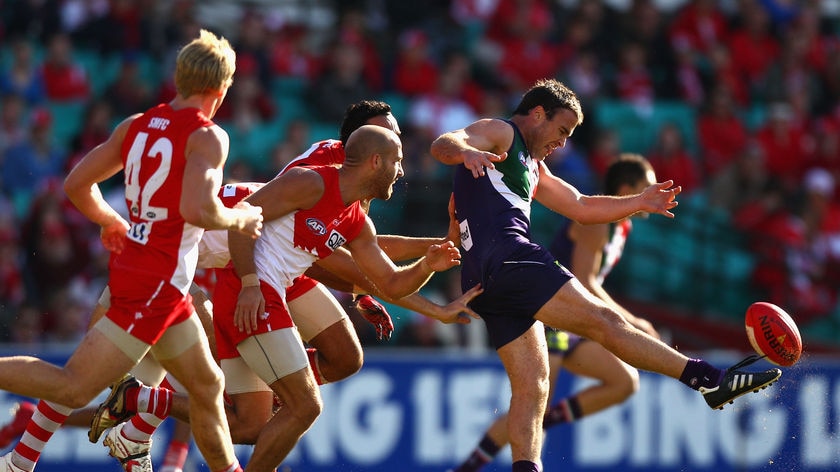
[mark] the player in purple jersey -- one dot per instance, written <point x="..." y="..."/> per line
<point x="502" y="173"/>
<point x="590" y="252"/>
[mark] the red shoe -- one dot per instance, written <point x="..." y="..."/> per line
<point x="14" y="429"/>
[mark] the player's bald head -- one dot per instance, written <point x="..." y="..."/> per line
<point x="369" y="140"/>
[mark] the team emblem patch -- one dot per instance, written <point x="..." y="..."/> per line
<point x="316" y="226"/>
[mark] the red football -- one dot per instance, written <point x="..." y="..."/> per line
<point x="773" y="333"/>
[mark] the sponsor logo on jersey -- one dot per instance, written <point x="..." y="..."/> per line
<point x="336" y="240"/>
<point x="316" y="226"/>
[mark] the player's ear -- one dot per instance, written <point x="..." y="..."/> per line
<point x="376" y="161"/>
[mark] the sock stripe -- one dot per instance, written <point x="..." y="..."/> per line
<point x="28" y="453"/>
<point x="51" y="414"/>
<point x="143" y="426"/>
<point x="36" y="431"/>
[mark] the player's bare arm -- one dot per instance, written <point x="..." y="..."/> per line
<point x="477" y="146"/>
<point x="340" y="266"/>
<point x="206" y="153"/>
<point x="559" y="196"/>
<point x="82" y="187"/>
<point x="299" y="188"/>
<point x="397" y="282"/>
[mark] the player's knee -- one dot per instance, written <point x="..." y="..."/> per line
<point x="77" y="396"/>
<point x="308" y="411"/>
<point x="345" y="366"/>
<point x="627" y="383"/>
<point x="245" y="432"/>
<point x="534" y="389"/>
<point x="208" y="384"/>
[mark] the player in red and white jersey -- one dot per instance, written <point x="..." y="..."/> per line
<point x="310" y="212"/>
<point x="165" y="151"/>
<point x="335" y="351"/>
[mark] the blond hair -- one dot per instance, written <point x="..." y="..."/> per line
<point x="204" y="65"/>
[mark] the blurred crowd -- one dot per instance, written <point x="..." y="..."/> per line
<point x="441" y="66"/>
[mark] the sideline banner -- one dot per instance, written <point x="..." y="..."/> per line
<point x="425" y="411"/>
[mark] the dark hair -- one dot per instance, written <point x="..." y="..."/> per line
<point x="627" y="169"/>
<point x="358" y="114"/>
<point x="552" y="95"/>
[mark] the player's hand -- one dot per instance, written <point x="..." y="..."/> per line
<point x="477" y="161"/>
<point x="457" y="311"/>
<point x="251" y="219"/>
<point x="659" y="198"/>
<point x="375" y="313"/>
<point x="454" y="233"/>
<point x="249" y="306"/>
<point x="113" y="235"/>
<point x="440" y="257"/>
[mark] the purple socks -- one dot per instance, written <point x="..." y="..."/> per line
<point x="699" y="373"/>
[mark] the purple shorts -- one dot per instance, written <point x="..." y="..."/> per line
<point x="515" y="288"/>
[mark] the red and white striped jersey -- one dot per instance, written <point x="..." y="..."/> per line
<point x="291" y="244"/>
<point x="159" y="242"/>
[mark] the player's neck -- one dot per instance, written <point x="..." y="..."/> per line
<point x="205" y="103"/>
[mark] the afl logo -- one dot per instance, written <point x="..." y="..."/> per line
<point x="315" y="225"/>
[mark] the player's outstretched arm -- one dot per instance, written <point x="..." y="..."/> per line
<point x="402" y="248"/>
<point x="559" y="196"/>
<point x="397" y="282"/>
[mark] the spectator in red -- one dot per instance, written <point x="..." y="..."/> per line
<point x="753" y="43"/>
<point x="605" y="150"/>
<point x="826" y="153"/>
<point x="689" y="79"/>
<point x="430" y="115"/>
<point x="634" y="82"/>
<point x="248" y="103"/>
<point x="64" y="79"/>
<point x="724" y="74"/>
<point x="513" y="18"/>
<point x="645" y="23"/>
<point x="291" y="55"/>
<point x="129" y="93"/>
<point x="12" y="291"/>
<point x="340" y="83"/>
<point x="509" y="22"/>
<point x="740" y="182"/>
<point x="818" y="45"/>
<point x="415" y="72"/>
<point x="530" y="56"/>
<point x="698" y="25"/>
<point x="672" y="160"/>
<point x="57" y="251"/>
<point x="785" y="144"/>
<point x="792" y="80"/>
<point x="721" y="133"/>
<point x="353" y="29"/>
<point x="96" y="127"/>
<point x="458" y="64"/>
